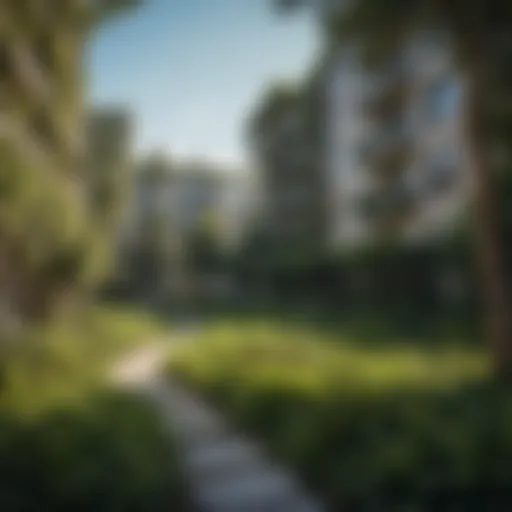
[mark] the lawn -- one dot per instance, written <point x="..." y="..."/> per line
<point x="70" y="442"/>
<point x="68" y="358"/>
<point x="372" y="427"/>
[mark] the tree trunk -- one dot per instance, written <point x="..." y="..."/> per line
<point x="487" y="220"/>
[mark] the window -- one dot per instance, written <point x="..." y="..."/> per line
<point x="443" y="100"/>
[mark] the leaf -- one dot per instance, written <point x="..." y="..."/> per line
<point x="379" y="27"/>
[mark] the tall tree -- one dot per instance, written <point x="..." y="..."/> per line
<point x="45" y="228"/>
<point x="480" y="36"/>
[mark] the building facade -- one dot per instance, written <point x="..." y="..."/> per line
<point x="150" y="238"/>
<point x="237" y="208"/>
<point x="346" y="128"/>
<point x="195" y="194"/>
<point x="440" y="165"/>
<point x="287" y="136"/>
<point x="396" y="158"/>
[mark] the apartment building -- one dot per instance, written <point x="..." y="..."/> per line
<point x="182" y="196"/>
<point x="195" y="194"/>
<point x="237" y="208"/>
<point x="149" y="196"/>
<point x="439" y="169"/>
<point x="150" y="236"/>
<point x="346" y="129"/>
<point x="396" y="159"/>
<point x="287" y="135"/>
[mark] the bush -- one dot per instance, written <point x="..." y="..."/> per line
<point x="69" y="443"/>
<point x="106" y="454"/>
<point x="67" y="359"/>
<point x="423" y="287"/>
<point x="381" y="428"/>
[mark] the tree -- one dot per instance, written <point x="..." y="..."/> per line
<point x="108" y="180"/>
<point x="45" y="227"/>
<point x="480" y="35"/>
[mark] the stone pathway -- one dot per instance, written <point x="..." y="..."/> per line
<point x="226" y="472"/>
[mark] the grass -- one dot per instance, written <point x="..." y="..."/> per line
<point x="363" y="326"/>
<point x="68" y="359"/>
<point x="67" y="440"/>
<point x="372" y="427"/>
<point x="258" y="350"/>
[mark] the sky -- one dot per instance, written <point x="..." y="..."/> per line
<point x="192" y="70"/>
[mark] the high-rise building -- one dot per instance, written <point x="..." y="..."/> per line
<point x="184" y="197"/>
<point x="439" y="170"/>
<point x="396" y="157"/>
<point x="346" y="127"/>
<point x="196" y="189"/>
<point x="287" y="139"/>
<point x="151" y="239"/>
<point x="237" y="208"/>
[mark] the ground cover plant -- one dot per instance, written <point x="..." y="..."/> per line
<point x="372" y="427"/>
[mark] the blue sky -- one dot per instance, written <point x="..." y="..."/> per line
<point x="192" y="69"/>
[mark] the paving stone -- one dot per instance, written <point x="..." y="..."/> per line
<point x="228" y="453"/>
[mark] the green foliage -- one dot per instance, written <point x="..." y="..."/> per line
<point x="276" y="100"/>
<point x="65" y="360"/>
<point x="108" y="453"/>
<point x="46" y="236"/>
<point x="49" y="237"/>
<point x="379" y="27"/>
<point x="424" y="287"/>
<point x="33" y="194"/>
<point x="384" y="427"/>
<point x="69" y="443"/>
<point x="109" y="8"/>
